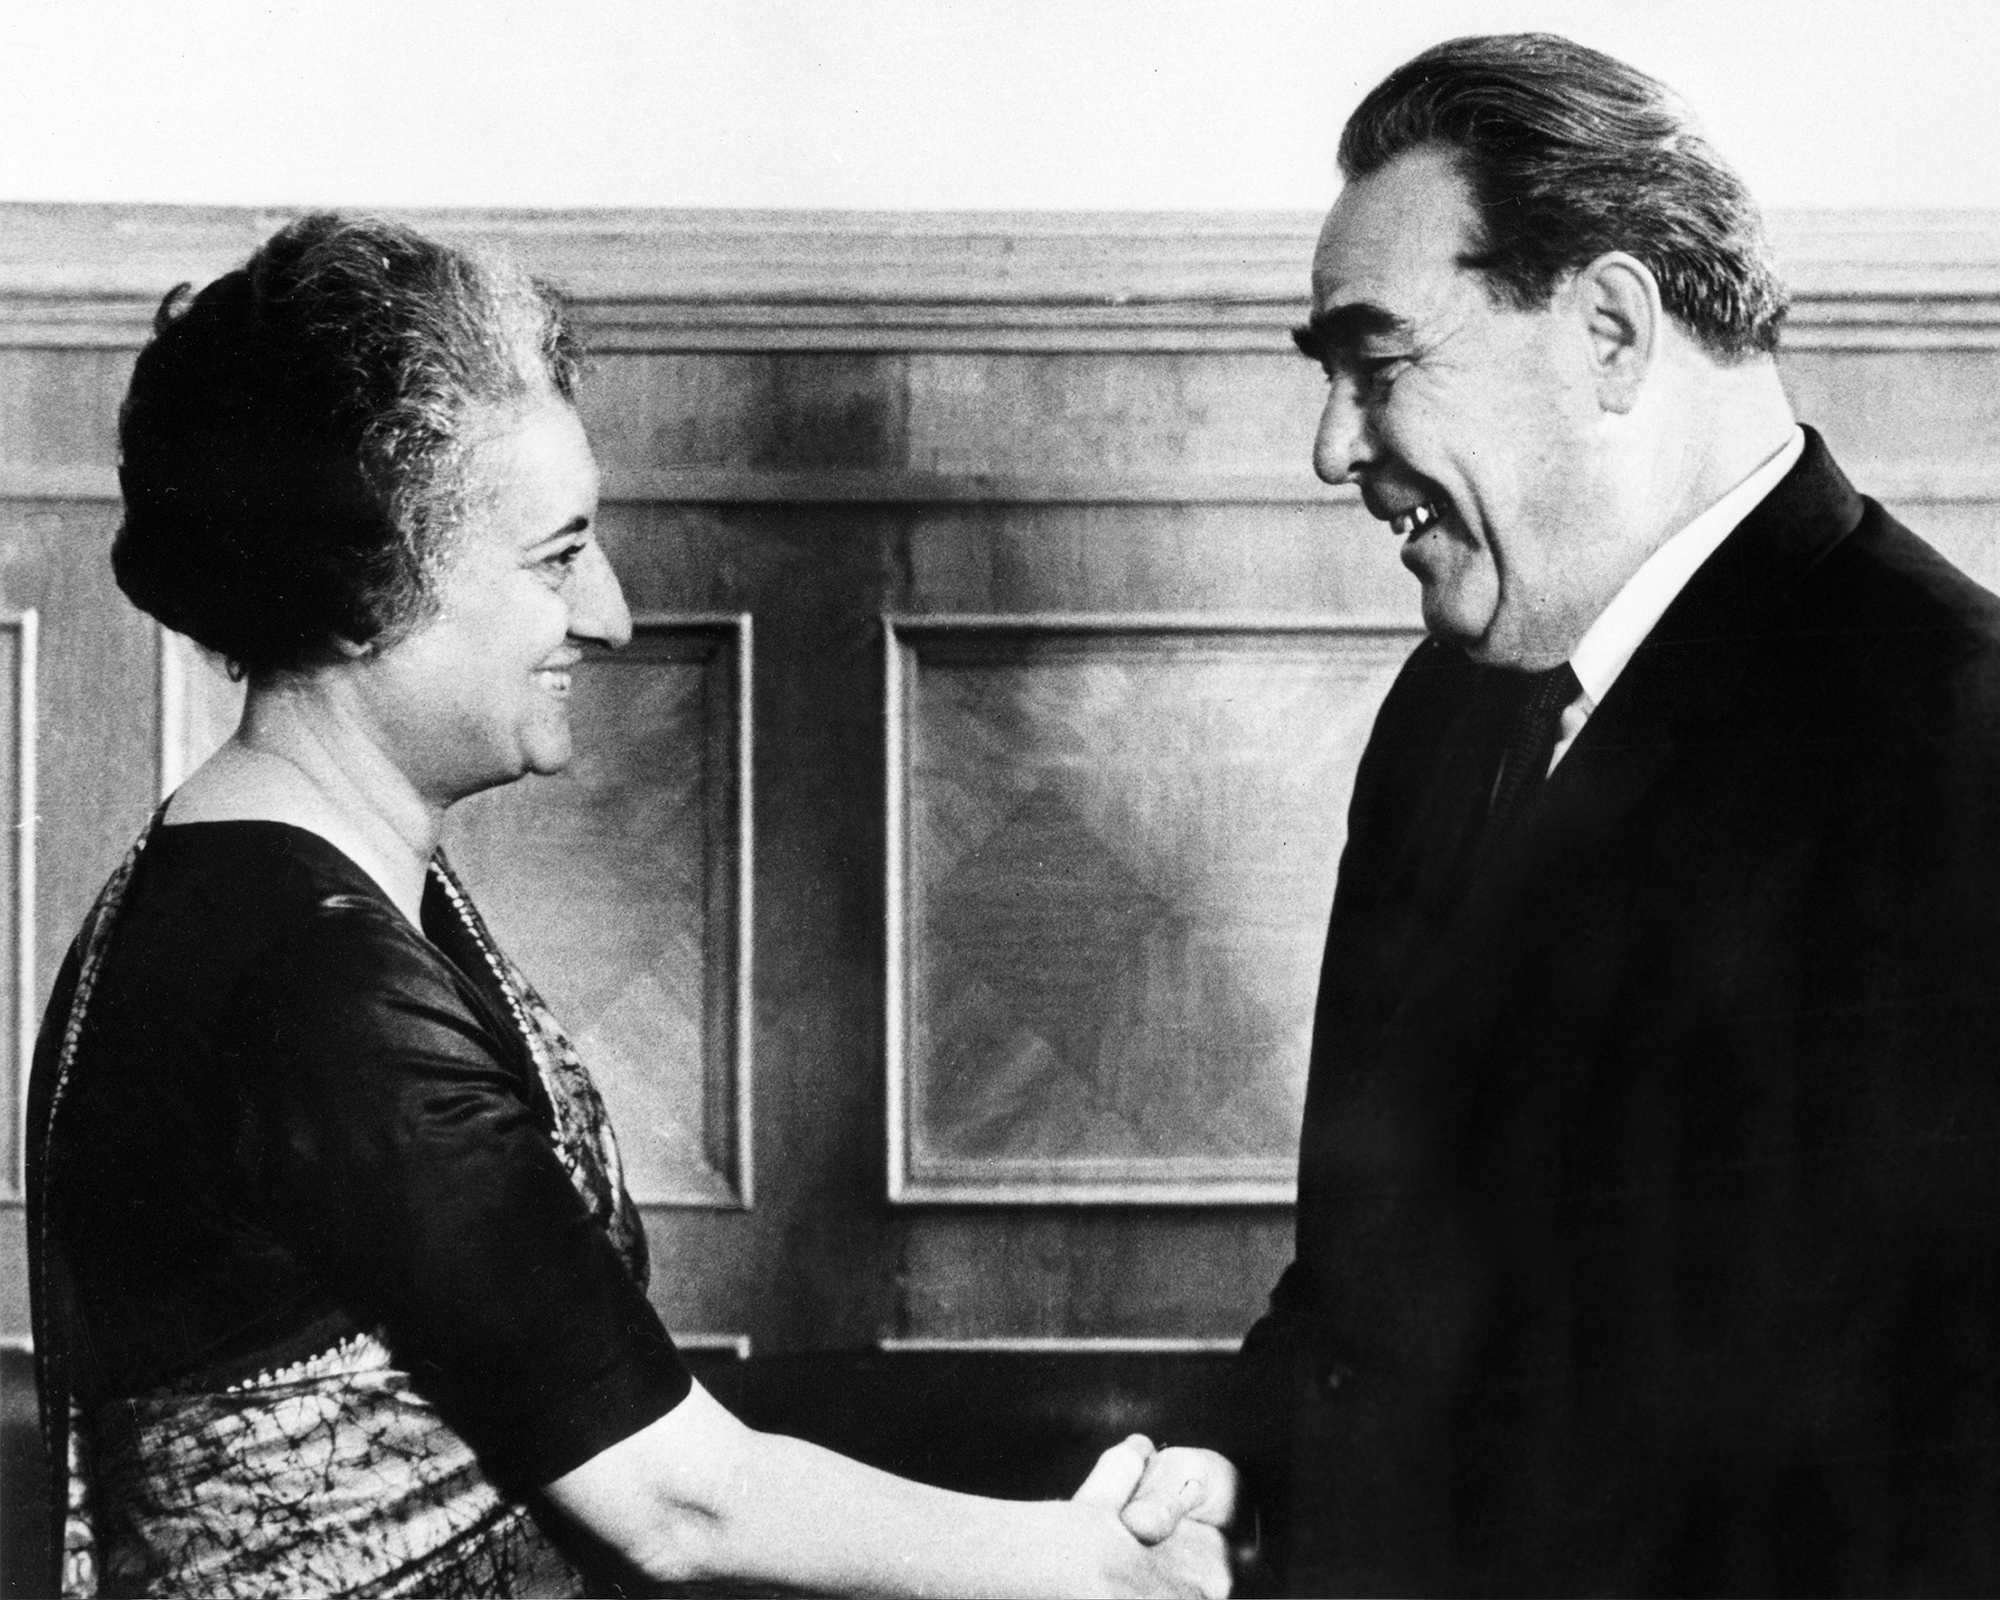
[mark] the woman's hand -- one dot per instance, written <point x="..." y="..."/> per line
<point x="1174" y="1513"/>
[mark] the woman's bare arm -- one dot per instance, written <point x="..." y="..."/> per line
<point x="697" y="1497"/>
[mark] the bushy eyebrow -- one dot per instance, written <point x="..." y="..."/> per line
<point x="1335" y="335"/>
<point x="574" y="526"/>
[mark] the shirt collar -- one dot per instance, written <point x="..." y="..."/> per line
<point x="1623" y="625"/>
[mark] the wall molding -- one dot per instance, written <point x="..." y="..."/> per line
<point x="89" y="276"/>
<point x="728" y="1344"/>
<point x="736" y="1175"/>
<point x="26" y="627"/>
<point x="1909" y="481"/>
<point x="1087" y="1180"/>
<point x="743" y="1022"/>
<point x="1060" y="1345"/>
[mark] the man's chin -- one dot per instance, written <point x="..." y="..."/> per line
<point x="1455" y="623"/>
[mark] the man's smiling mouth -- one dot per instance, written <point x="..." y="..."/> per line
<point x="1407" y="524"/>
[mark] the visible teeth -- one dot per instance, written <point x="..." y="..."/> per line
<point x="1415" y="520"/>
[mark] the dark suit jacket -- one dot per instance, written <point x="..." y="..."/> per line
<point x="1649" y="1217"/>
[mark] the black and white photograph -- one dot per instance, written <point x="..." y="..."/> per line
<point x="918" y="797"/>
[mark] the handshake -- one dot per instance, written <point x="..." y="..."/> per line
<point x="1179" y="1505"/>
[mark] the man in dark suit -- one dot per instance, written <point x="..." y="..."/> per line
<point x="1649" y="1191"/>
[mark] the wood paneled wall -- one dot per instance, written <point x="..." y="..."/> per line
<point x="938" y="891"/>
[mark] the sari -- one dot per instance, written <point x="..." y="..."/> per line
<point x="330" y="1474"/>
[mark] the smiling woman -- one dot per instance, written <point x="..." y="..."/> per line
<point x="337" y="1287"/>
<point x="479" y="696"/>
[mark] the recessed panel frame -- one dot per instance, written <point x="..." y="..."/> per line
<point x="1323" y="653"/>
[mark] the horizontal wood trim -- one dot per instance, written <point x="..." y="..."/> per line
<point x="1864" y="323"/>
<point x="58" y="481"/>
<point x="1909" y="482"/>
<point x="949" y="258"/>
<point x="731" y="1344"/>
<point x="727" y="1344"/>
<point x="722" y="256"/>
<point x="91" y="276"/>
<point x="1015" y="625"/>
<point x="53" y="481"/>
<point x="1060" y="1345"/>
<point x="1181" y="1190"/>
<point x="732" y="486"/>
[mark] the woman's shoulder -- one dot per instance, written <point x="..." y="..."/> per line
<point x="348" y="988"/>
<point x="257" y="871"/>
<point x="355" y="1036"/>
<point x="206" y="901"/>
<point x="328" y="936"/>
<point x="275" y="921"/>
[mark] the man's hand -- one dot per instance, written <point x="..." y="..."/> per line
<point x="1187" y="1554"/>
<point x="1177" y="1483"/>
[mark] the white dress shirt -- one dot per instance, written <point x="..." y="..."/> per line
<point x="1622" y="626"/>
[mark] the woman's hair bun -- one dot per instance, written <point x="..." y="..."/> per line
<point x="294" y="443"/>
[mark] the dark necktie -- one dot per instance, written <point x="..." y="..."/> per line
<point x="1531" y="741"/>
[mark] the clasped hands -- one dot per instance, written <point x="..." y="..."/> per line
<point x="1179" y="1503"/>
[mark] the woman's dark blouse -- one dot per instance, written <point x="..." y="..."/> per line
<point x="294" y="1118"/>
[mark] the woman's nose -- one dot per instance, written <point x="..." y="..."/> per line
<point x="597" y="609"/>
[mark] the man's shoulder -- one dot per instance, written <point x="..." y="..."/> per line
<point x="1899" y="633"/>
<point x="1886" y="583"/>
<point x="1889" y="573"/>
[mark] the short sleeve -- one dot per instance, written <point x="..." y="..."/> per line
<point x="398" y="1152"/>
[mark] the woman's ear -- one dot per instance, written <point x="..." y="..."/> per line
<point x="1619" y="301"/>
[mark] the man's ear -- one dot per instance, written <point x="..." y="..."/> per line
<point x="1619" y="301"/>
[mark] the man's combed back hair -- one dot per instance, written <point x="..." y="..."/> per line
<point x="1568" y="153"/>
<point x="295" y="444"/>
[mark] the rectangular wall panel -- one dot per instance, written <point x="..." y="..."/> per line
<point x="1112" y="851"/>
<point x="621" y="887"/>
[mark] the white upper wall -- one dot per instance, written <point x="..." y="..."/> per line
<point x="916" y="104"/>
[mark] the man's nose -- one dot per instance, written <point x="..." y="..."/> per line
<point x="1345" y="441"/>
<point x="597" y="603"/>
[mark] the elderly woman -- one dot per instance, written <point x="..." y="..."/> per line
<point x="337" y="1286"/>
